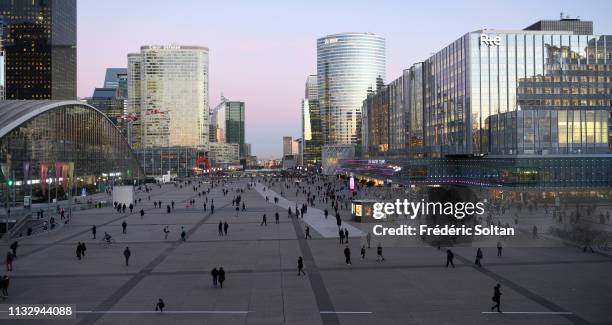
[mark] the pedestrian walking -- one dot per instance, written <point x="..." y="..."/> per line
<point x="499" y="249"/>
<point x="300" y="266"/>
<point x="83" y="249"/>
<point x="221" y="277"/>
<point x="263" y="220"/>
<point x="141" y="213"/>
<point x="159" y="306"/>
<point x="183" y="235"/>
<point x="168" y="208"/>
<point x="346" y="235"/>
<point x="379" y="254"/>
<point x="363" y="251"/>
<point x="9" y="261"/>
<point x="341" y="235"/>
<point x="13" y="247"/>
<point x="127" y="253"/>
<point x="478" y="257"/>
<point x="369" y="238"/>
<point x="78" y="251"/>
<point x="172" y="204"/>
<point x="93" y="231"/>
<point x="166" y="231"/>
<point x="276" y="217"/>
<point x="220" y="228"/>
<point x="4" y="284"/>
<point x="449" y="258"/>
<point x="307" y="230"/>
<point x="212" y="208"/>
<point x="497" y="298"/>
<point x="347" y="255"/>
<point x="225" y="226"/>
<point x="123" y="226"/>
<point x="215" y="276"/>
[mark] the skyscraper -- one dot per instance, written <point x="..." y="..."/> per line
<point x="39" y="43"/>
<point x="312" y="139"/>
<point x="348" y="64"/>
<point x="311" y="91"/>
<point x="234" y="124"/>
<point x="133" y="105"/>
<point x="287" y="145"/>
<point x="112" y="75"/>
<point x="227" y="123"/>
<point x="168" y="93"/>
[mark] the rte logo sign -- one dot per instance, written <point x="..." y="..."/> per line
<point x="490" y="40"/>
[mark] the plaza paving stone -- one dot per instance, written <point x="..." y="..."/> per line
<point x="412" y="286"/>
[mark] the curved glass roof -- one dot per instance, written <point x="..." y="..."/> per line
<point x="15" y="112"/>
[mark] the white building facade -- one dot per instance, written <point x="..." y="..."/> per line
<point x="168" y="96"/>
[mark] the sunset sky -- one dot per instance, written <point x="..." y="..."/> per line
<point x="262" y="51"/>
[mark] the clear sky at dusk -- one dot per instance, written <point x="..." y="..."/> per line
<point x="262" y="51"/>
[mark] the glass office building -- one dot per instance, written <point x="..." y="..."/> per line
<point x="39" y="43"/>
<point x="348" y="64"/>
<point x="169" y="95"/>
<point x="227" y="124"/>
<point x="60" y="145"/>
<point x="311" y="132"/>
<point x="504" y="107"/>
<point x="234" y="124"/>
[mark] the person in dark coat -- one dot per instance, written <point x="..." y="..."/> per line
<point x="78" y="251"/>
<point x="301" y="266"/>
<point x="4" y="285"/>
<point x="13" y="247"/>
<point x="449" y="258"/>
<point x="347" y="255"/>
<point x="478" y="257"/>
<point x="496" y="298"/>
<point x="225" y="226"/>
<point x="127" y="253"/>
<point x="220" y="228"/>
<point x="9" y="261"/>
<point x="215" y="275"/>
<point x="93" y="231"/>
<point x="221" y="277"/>
<point x="159" y="306"/>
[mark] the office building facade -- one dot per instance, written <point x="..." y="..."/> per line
<point x="348" y="65"/>
<point x="224" y="155"/>
<point x="311" y="132"/>
<point x="500" y="107"/>
<point x="565" y="23"/>
<point x="228" y="123"/>
<point x="173" y="98"/>
<point x="311" y="91"/>
<point x="39" y="45"/>
<point x="287" y="145"/>
<point x="167" y="106"/>
<point x="107" y="102"/>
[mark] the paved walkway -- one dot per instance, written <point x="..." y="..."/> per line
<point x="315" y="218"/>
<point x="540" y="285"/>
